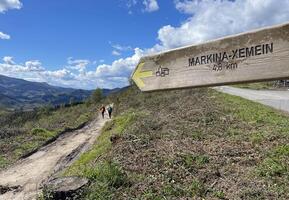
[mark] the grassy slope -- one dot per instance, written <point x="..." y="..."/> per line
<point x="22" y="133"/>
<point x="193" y="143"/>
<point x="258" y="86"/>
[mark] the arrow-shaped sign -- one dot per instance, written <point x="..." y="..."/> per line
<point x="249" y="57"/>
<point x="139" y="74"/>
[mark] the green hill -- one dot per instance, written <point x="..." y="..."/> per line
<point x="188" y="144"/>
<point x="18" y="93"/>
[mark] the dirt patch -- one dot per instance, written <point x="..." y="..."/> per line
<point x="31" y="172"/>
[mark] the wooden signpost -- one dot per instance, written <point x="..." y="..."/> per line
<point x="259" y="55"/>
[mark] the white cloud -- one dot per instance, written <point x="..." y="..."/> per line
<point x="213" y="19"/>
<point x="115" y="53"/>
<point x="121" y="67"/>
<point x="10" y="67"/>
<point x="9" y="4"/>
<point x="4" y="6"/>
<point x="118" y="49"/>
<point x="4" y="36"/>
<point x="62" y="73"/>
<point x="78" y="64"/>
<point x="33" y="66"/>
<point x="81" y="63"/>
<point x="104" y="76"/>
<point x="151" y="5"/>
<point x="121" y="48"/>
<point x="8" y="60"/>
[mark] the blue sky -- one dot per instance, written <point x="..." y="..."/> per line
<point x="88" y="43"/>
<point x="54" y="30"/>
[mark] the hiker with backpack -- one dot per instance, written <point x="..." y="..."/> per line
<point x="109" y="110"/>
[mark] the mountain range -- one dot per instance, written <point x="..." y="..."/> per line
<point x="21" y="94"/>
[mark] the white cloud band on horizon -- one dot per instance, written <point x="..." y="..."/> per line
<point x="75" y="73"/>
<point x="9" y="66"/>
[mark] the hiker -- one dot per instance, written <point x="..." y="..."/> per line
<point x="102" y="110"/>
<point x="109" y="110"/>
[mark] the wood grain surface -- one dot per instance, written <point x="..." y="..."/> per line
<point x="249" y="57"/>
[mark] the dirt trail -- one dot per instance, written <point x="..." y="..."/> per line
<point x="24" y="179"/>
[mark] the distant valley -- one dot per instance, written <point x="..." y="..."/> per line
<point x="22" y="94"/>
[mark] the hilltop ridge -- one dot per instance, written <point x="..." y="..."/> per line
<point x="17" y="93"/>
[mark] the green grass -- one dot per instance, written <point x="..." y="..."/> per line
<point x="42" y="133"/>
<point x="256" y="86"/>
<point x="36" y="138"/>
<point x="103" y="144"/>
<point x="105" y="175"/>
<point x="151" y="195"/>
<point x="3" y="162"/>
<point x="269" y="133"/>
<point x="258" y="137"/>
<point x="275" y="169"/>
<point x="266" y="121"/>
<point x="276" y="163"/>
<point x="172" y="189"/>
<point x="197" y="189"/>
<point x="197" y="161"/>
<point x="219" y="194"/>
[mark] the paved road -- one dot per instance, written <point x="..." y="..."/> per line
<point x="276" y="99"/>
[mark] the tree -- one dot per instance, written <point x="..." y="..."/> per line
<point x="96" y="95"/>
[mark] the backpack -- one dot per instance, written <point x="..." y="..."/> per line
<point x="109" y="109"/>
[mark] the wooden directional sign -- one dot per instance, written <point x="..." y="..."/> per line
<point x="254" y="56"/>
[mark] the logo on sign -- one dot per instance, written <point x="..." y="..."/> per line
<point x="162" y="72"/>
